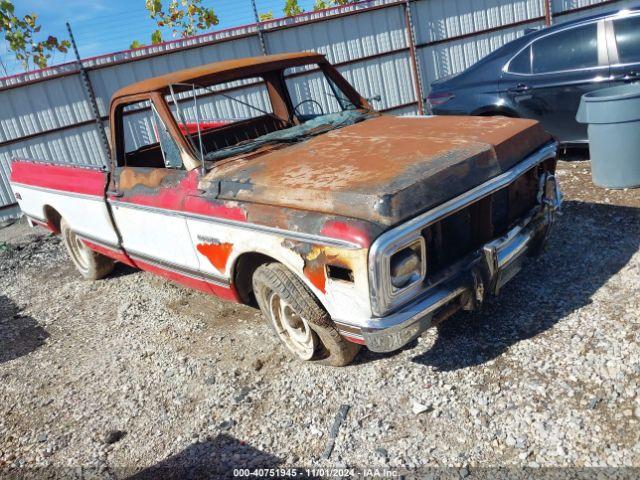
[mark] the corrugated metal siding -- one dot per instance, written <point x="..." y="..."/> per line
<point x="371" y="46"/>
<point x="10" y="212"/>
<point x="453" y="57"/>
<point x="345" y="38"/>
<point x="106" y="81"/>
<point x="441" y="19"/>
<point x="42" y="106"/>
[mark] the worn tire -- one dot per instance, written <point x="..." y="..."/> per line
<point x="91" y="265"/>
<point x="330" y="347"/>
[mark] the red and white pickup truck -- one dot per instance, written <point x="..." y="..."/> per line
<point x="347" y="227"/>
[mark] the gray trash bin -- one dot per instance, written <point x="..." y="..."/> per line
<point x="613" y="115"/>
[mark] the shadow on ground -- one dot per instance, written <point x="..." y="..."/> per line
<point x="19" y="334"/>
<point x="590" y="244"/>
<point x="216" y="458"/>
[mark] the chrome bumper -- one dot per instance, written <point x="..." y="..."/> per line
<point x="481" y="274"/>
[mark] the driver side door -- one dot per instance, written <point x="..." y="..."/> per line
<point x="148" y="187"/>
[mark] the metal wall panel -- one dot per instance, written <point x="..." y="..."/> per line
<point x="560" y="6"/>
<point x="437" y="20"/>
<point x="109" y="79"/>
<point x="42" y="106"/>
<point x="346" y="38"/>
<point x="449" y="58"/>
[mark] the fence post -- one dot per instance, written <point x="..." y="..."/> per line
<point x="415" y="64"/>
<point x="548" y="13"/>
<point x="263" y="44"/>
<point x="88" y="87"/>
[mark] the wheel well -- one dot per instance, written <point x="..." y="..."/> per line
<point x="52" y="217"/>
<point x="243" y="271"/>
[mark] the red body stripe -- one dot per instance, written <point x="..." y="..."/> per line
<point x="359" y="341"/>
<point x="198" y="205"/>
<point x="345" y="231"/>
<point x="58" y="177"/>
<point x="226" y="293"/>
<point x="108" y="252"/>
<point x="47" y="225"/>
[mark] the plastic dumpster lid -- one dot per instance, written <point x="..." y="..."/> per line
<point x="610" y="105"/>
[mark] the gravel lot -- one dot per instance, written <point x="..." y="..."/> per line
<point x="132" y="374"/>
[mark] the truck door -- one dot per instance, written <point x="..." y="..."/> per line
<point x="148" y="186"/>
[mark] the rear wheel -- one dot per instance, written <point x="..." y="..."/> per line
<point x="302" y="325"/>
<point x="90" y="264"/>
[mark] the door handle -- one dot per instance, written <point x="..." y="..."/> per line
<point x="114" y="193"/>
<point x="520" y="88"/>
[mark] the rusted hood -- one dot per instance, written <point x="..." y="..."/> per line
<point x="385" y="169"/>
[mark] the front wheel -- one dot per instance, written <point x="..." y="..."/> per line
<point x="90" y="264"/>
<point x="302" y="325"/>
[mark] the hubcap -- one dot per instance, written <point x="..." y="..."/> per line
<point x="292" y="329"/>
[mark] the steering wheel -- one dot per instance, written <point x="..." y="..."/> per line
<point x="308" y="100"/>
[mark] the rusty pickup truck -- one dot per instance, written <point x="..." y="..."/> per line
<point x="271" y="181"/>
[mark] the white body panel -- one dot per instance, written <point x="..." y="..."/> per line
<point x="85" y="214"/>
<point x="172" y="237"/>
<point x="345" y="300"/>
<point x="158" y="235"/>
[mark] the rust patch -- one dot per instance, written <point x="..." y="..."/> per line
<point x="384" y="169"/>
<point x="315" y="270"/>
<point x="216" y="253"/>
<point x="317" y="258"/>
<point x="151" y="178"/>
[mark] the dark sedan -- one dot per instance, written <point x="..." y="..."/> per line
<point x="543" y="74"/>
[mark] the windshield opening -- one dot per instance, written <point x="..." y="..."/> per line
<point x="231" y="118"/>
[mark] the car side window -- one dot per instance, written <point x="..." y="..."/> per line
<point x="521" y="63"/>
<point x="567" y="50"/>
<point x="628" y="39"/>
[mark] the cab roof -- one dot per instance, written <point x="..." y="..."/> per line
<point x="220" y="72"/>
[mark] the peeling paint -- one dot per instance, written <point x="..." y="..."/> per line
<point x="217" y="253"/>
<point x="314" y="269"/>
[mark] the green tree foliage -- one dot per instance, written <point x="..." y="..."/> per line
<point x="136" y="44"/>
<point x="291" y="7"/>
<point x="184" y="18"/>
<point x="266" y="16"/>
<point x="322" y="4"/>
<point x="19" y="34"/>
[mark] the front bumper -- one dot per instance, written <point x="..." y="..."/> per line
<point x="481" y="274"/>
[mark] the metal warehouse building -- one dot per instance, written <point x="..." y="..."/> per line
<point x="390" y="48"/>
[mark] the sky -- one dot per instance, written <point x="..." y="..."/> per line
<point x="104" y="26"/>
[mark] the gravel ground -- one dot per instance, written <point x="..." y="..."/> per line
<point x="131" y="375"/>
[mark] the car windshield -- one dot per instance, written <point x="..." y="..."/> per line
<point x="233" y="118"/>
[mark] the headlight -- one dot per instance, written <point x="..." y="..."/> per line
<point x="406" y="266"/>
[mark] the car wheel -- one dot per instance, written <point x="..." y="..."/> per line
<point x="298" y="319"/>
<point x="91" y="265"/>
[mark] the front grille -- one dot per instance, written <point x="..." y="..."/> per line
<point x="465" y="231"/>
